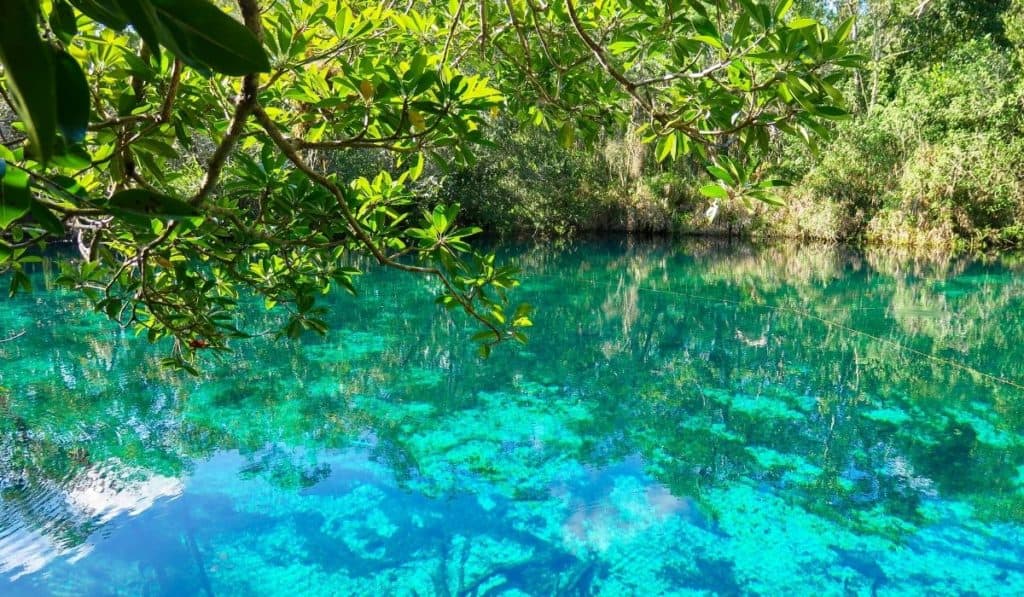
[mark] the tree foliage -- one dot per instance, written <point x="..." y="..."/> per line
<point x="932" y="156"/>
<point x="188" y="147"/>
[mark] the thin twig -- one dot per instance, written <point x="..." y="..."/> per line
<point x="451" y="31"/>
<point x="14" y="337"/>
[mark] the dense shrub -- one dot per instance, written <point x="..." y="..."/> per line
<point x="528" y="183"/>
<point x="969" y="185"/>
<point x="939" y="163"/>
<point x="933" y="160"/>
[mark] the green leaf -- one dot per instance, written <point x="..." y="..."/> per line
<point x="843" y="30"/>
<point x="773" y="183"/>
<point x="733" y="168"/>
<point x="138" y="67"/>
<point x="19" y="281"/>
<point x="62" y="21"/>
<point x="30" y="73"/>
<point x="760" y="13"/>
<point x="157" y="147"/>
<point x="782" y="9"/>
<point x="46" y="220"/>
<point x="144" y="20"/>
<point x="714" y="42"/>
<point x="769" y="198"/>
<point x="831" y="112"/>
<point x="722" y="174"/>
<point x="416" y="66"/>
<point x="801" y="23"/>
<point x="714" y="191"/>
<point x="207" y="34"/>
<point x="852" y="61"/>
<point x="703" y="26"/>
<point x="15" y="198"/>
<point x="666" y="147"/>
<point x="417" y="167"/>
<point x="70" y="185"/>
<point x="621" y="47"/>
<point x="567" y="135"/>
<point x="103" y="11"/>
<point x="140" y="202"/>
<point x="72" y="98"/>
<point x="485" y="336"/>
<point x="741" y="29"/>
<point x="72" y="157"/>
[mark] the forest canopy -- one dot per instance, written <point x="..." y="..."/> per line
<point x="190" y="149"/>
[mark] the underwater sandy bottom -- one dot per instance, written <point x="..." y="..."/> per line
<point x="685" y="420"/>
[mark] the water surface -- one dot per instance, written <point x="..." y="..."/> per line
<point x="687" y="419"/>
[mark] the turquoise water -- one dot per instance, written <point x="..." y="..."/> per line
<point x="687" y="419"/>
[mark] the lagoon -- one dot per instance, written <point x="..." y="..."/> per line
<point x="688" y="418"/>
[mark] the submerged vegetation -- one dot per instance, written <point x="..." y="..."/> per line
<point x="681" y="407"/>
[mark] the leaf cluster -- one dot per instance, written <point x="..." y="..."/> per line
<point x="187" y="148"/>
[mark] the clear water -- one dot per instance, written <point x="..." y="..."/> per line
<point x="687" y="419"/>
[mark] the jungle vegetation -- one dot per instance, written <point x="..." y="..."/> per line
<point x="930" y="159"/>
<point x="196" y="152"/>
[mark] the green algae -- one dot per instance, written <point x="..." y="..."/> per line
<point x="762" y="408"/>
<point x="986" y="432"/>
<point x="797" y="468"/>
<point x="893" y="416"/>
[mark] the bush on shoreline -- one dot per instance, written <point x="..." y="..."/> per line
<point x="933" y="157"/>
